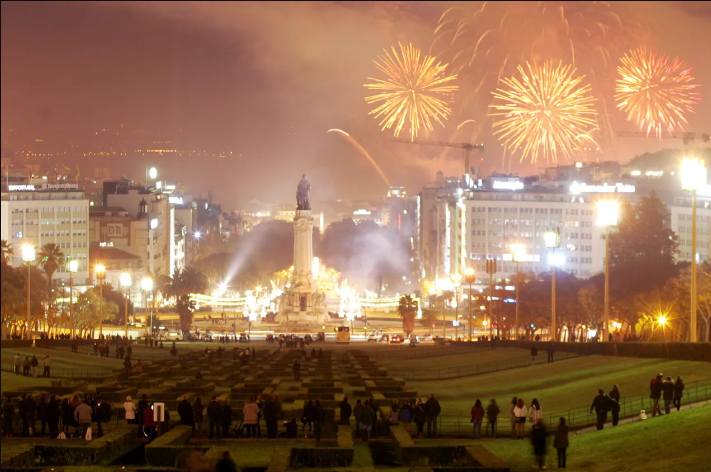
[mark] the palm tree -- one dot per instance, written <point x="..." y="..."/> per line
<point x="407" y="309"/>
<point x="181" y="285"/>
<point x="7" y="251"/>
<point x="51" y="258"/>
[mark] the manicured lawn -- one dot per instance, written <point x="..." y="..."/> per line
<point x="62" y="358"/>
<point x="677" y="442"/>
<point x="458" y="359"/>
<point x="559" y="386"/>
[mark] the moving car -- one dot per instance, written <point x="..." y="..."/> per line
<point x="372" y="338"/>
<point x="397" y="339"/>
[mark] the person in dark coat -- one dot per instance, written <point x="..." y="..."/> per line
<point x="67" y="416"/>
<point x="539" y="442"/>
<point x="42" y="414"/>
<point x="678" y="392"/>
<point x="534" y="354"/>
<point x="357" y="410"/>
<point x="226" y="418"/>
<point x="433" y="411"/>
<point x="550" y="349"/>
<point x="319" y="419"/>
<point x="601" y="405"/>
<point x="615" y="396"/>
<point x="655" y="393"/>
<point x="297" y="370"/>
<point x="308" y="415"/>
<point x="28" y="415"/>
<point x="185" y="411"/>
<point x="561" y="442"/>
<point x="419" y="416"/>
<point x="8" y="415"/>
<point x="142" y="404"/>
<point x="54" y="412"/>
<point x="346" y="411"/>
<point x="213" y="414"/>
<point x="102" y="415"/>
<point x="272" y="412"/>
<point x="668" y="394"/>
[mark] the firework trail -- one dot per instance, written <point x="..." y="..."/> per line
<point x="411" y="92"/>
<point x="654" y="91"/>
<point x="362" y="150"/>
<point x="546" y="112"/>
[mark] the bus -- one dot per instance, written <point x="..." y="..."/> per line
<point x="343" y="335"/>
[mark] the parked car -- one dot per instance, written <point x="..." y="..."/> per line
<point x="372" y="338"/>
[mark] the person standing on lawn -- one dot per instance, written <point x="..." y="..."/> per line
<point x="601" y="405"/>
<point x="539" y="440"/>
<point x="534" y="354"/>
<point x="668" y="394"/>
<point x="615" y="396"/>
<point x="433" y="411"/>
<point x="367" y="418"/>
<point x="357" y="411"/>
<point x="678" y="392"/>
<point x="477" y="414"/>
<point x="492" y="413"/>
<point x="561" y="442"/>
<point x="512" y="417"/>
<point x="655" y="393"/>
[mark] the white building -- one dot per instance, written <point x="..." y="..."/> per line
<point x="38" y="213"/>
<point x="681" y="224"/>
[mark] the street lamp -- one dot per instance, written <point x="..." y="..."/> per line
<point x="28" y="257"/>
<point x="469" y="278"/>
<point x="456" y="279"/>
<point x="125" y="282"/>
<point x="101" y="276"/>
<point x="693" y="176"/>
<point x="518" y="252"/>
<point x="147" y="286"/>
<point x="552" y="241"/>
<point x="607" y="216"/>
<point x="73" y="268"/>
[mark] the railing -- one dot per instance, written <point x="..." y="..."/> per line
<point x="477" y="369"/>
<point x="577" y="418"/>
<point x="67" y="372"/>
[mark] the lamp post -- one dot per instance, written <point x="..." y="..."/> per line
<point x="147" y="286"/>
<point x="552" y="241"/>
<point x="693" y="176"/>
<point x="491" y="269"/>
<point x="456" y="279"/>
<point x="470" y="278"/>
<point x="73" y="268"/>
<point x="607" y="216"/>
<point x="28" y="257"/>
<point x="101" y="276"/>
<point x="518" y="251"/>
<point x="125" y="282"/>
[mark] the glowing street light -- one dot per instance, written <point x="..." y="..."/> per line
<point x="662" y="320"/>
<point x="125" y="282"/>
<point x="197" y="235"/>
<point x="518" y="252"/>
<point x="28" y="257"/>
<point x="100" y="271"/>
<point x="153" y="173"/>
<point x="552" y="240"/>
<point x="607" y="216"/>
<point x="693" y="177"/>
<point x="73" y="268"/>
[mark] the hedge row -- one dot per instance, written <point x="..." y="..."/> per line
<point x="63" y="452"/>
<point x="281" y="458"/>
<point x="321" y="457"/>
<point x="677" y="351"/>
<point x="21" y="455"/>
<point x="164" y="450"/>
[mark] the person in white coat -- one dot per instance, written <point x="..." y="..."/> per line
<point x="535" y="412"/>
<point x="251" y="416"/>
<point x="130" y="409"/>
<point x="520" y="413"/>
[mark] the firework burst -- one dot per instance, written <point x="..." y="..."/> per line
<point x="411" y="93"/>
<point x="654" y="91"/>
<point x="546" y="112"/>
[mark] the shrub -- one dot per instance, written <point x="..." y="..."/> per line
<point x="81" y="453"/>
<point x="321" y="457"/>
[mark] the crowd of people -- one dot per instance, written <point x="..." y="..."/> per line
<point x="30" y="367"/>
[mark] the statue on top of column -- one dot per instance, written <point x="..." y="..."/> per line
<point x="302" y="194"/>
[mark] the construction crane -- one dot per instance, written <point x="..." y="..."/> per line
<point x="688" y="137"/>
<point x="466" y="148"/>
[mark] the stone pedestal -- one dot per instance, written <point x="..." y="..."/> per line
<point x="302" y="303"/>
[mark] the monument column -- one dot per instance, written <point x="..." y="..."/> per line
<point x="303" y="248"/>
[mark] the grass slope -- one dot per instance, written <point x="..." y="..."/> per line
<point x="677" y="442"/>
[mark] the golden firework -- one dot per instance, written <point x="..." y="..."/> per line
<point x="655" y="92"/>
<point x="547" y="111"/>
<point x="411" y="93"/>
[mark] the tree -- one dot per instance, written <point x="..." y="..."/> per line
<point x="50" y="259"/>
<point x="88" y="310"/>
<point x="180" y="286"/>
<point x="679" y="288"/>
<point x="7" y="251"/>
<point x="407" y="309"/>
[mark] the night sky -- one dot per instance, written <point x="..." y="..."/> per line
<point x="266" y="80"/>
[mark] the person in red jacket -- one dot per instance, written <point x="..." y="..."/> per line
<point x="149" y="424"/>
<point x="477" y="418"/>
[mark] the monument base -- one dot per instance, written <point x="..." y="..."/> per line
<point x="301" y="307"/>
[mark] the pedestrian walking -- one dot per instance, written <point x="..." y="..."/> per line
<point x="420" y="417"/>
<point x="367" y="418"/>
<point x="678" y="392"/>
<point x="655" y="393"/>
<point x="512" y="417"/>
<point x="198" y="415"/>
<point x="492" y="413"/>
<point x="601" y="405"/>
<point x="539" y="440"/>
<point x="357" y="411"/>
<point x="561" y="442"/>
<point x="47" y="366"/>
<point x="520" y="413"/>
<point x="534" y="354"/>
<point x="433" y="411"/>
<point x="616" y="397"/>
<point x="668" y="394"/>
<point x="129" y="409"/>
<point x="477" y="414"/>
